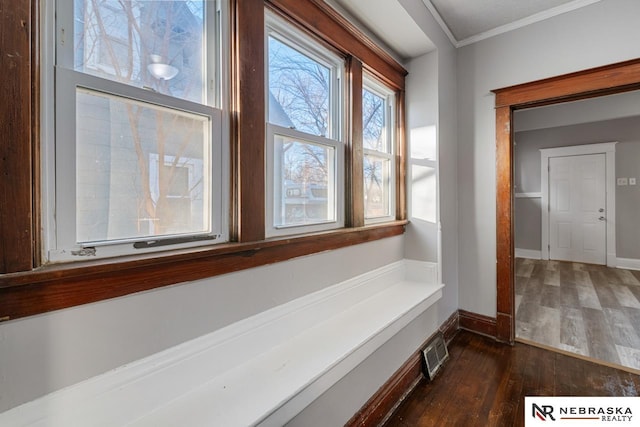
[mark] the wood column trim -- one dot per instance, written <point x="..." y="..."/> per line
<point x="354" y="172"/>
<point x="504" y="214"/>
<point x="17" y="37"/>
<point x="248" y="109"/>
<point x="605" y="80"/>
<point x="401" y="157"/>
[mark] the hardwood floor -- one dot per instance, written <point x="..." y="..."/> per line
<point x="484" y="384"/>
<point x="590" y="310"/>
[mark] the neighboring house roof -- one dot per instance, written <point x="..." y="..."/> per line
<point x="277" y="115"/>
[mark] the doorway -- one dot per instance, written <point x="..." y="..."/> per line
<point x="578" y="307"/>
<point x="615" y="78"/>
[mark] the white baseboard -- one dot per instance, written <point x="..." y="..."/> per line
<point x="261" y="370"/>
<point x="528" y="253"/>
<point x="628" y="263"/>
<point x="537" y="195"/>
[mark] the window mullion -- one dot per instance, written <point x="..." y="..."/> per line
<point x="249" y="102"/>
<point x="354" y="185"/>
<point x="400" y="155"/>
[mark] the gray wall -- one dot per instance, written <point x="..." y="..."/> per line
<point x="528" y="224"/>
<point x="601" y="108"/>
<point x="598" y="34"/>
<point x="626" y="132"/>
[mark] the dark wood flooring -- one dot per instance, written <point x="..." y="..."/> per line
<point x="484" y="384"/>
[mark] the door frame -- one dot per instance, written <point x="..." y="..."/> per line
<point x="609" y="150"/>
<point x="606" y="80"/>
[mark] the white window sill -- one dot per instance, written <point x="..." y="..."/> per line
<point x="262" y="370"/>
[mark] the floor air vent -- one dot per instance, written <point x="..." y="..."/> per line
<point x="435" y="354"/>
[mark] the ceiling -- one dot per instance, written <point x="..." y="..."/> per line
<point x="468" y="20"/>
<point x="383" y="18"/>
<point x="464" y="21"/>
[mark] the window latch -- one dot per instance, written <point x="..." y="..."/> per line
<point x="171" y="241"/>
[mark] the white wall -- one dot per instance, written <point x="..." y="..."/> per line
<point x="431" y="116"/>
<point x="338" y="404"/>
<point x="599" y="34"/>
<point x="44" y="353"/>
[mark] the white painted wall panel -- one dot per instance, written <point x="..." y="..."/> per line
<point x="44" y="353"/>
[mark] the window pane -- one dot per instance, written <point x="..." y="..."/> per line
<point x="377" y="187"/>
<point x="299" y="90"/>
<point x="141" y="169"/>
<point x="155" y="44"/>
<point x="374" y="122"/>
<point x="305" y="182"/>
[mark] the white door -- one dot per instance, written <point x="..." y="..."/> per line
<point x="577" y="202"/>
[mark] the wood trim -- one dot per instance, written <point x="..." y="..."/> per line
<point x="606" y="80"/>
<point x="249" y="110"/>
<point x="401" y="157"/>
<point x="451" y="326"/>
<point x="36" y="130"/>
<point x="355" y="154"/>
<point x="63" y="286"/>
<point x="325" y="23"/>
<point x="478" y="323"/>
<point x="386" y="399"/>
<point x="504" y="240"/>
<point x="16" y="215"/>
<point x="379" y="54"/>
<point x="504" y="332"/>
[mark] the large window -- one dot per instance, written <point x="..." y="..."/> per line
<point x="378" y="123"/>
<point x="139" y="158"/>
<point x="305" y="98"/>
<point x="146" y="130"/>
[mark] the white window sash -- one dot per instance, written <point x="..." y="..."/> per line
<point x="273" y="187"/>
<point x="289" y="35"/>
<point x="305" y="44"/>
<point x="374" y="86"/>
<point x="59" y="119"/>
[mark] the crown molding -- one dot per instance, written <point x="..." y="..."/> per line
<point x="541" y="16"/>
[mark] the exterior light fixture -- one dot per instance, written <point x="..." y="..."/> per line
<point x="160" y="70"/>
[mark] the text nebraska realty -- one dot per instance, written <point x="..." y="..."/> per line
<point x="605" y="413"/>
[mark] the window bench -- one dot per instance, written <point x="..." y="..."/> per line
<point x="261" y="370"/>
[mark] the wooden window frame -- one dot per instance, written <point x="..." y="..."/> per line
<point x="27" y="287"/>
<point x="600" y="81"/>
